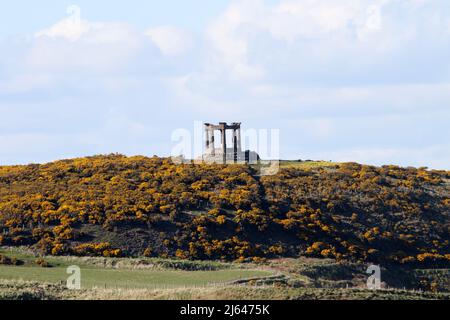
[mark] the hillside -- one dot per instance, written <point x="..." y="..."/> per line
<point x="133" y="206"/>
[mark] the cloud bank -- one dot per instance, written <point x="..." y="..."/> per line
<point x="343" y="80"/>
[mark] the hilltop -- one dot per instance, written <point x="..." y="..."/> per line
<point x="137" y="206"/>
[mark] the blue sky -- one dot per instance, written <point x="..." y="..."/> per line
<point x="23" y="16"/>
<point x="365" y="81"/>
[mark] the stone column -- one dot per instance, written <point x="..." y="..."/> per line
<point x="206" y="140"/>
<point x="212" y="143"/>
<point x="238" y="137"/>
<point x="224" y="144"/>
<point x="235" y="145"/>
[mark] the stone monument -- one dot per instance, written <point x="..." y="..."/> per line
<point x="223" y="154"/>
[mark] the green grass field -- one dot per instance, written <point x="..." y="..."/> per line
<point x="153" y="278"/>
<point x="306" y="164"/>
<point x="117" y="278"/>
<point x="144" y="274"/>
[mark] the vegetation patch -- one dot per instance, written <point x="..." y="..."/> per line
<point x="20" y="290"/>
<point x="5" y="260"/>
<point x="117" y="206"/>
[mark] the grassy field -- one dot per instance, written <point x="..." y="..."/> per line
<point x="306" y="164"/>
<point x="117" y="278"/>
<point x="154" y="278"/>
<point x="19" y="290"/>
<point x="126" y="273"/>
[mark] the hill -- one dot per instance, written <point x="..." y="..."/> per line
<point x="133" y="206"/>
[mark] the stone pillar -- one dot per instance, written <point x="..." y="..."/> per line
<point x="238" y="137"/>
<point x="224" y="144"/>
<point x="212" y="143"/>
<point x="206" y="139"/>
<point x="235" y="146"/>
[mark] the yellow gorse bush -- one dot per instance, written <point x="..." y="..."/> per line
<point x="153" y="207"/>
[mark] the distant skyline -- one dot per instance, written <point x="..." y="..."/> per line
<point x="365" y="81"/>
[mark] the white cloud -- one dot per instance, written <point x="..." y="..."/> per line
<point x="253" y="41"/>
<point x="247" y="26"/>
<point x="74" y="28"/>
<point x="365" y="80"/>
<point x="70" y="29"/>
<point x="73" y="44"/>
<point x="170" y="40"/>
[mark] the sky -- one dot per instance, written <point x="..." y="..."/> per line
<point x="342" y="80"/>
